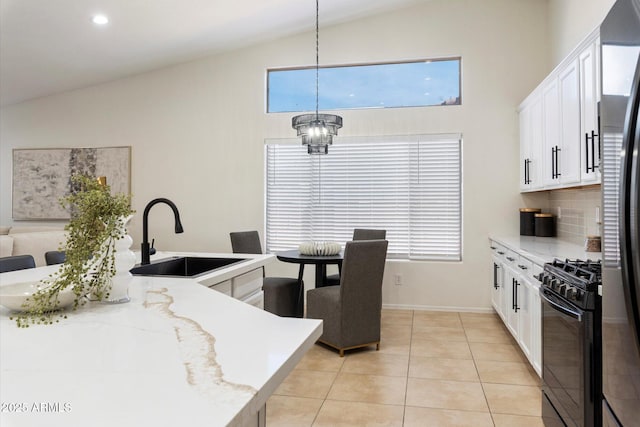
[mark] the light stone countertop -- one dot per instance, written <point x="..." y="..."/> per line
<point x="178" y="353"/>
<point x="541" y="250"/>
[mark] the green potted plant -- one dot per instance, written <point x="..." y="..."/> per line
<point x="97" y="226"/>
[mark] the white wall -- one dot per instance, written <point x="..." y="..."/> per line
<point x="570" y="21"/>
<point x="197" y="131"/>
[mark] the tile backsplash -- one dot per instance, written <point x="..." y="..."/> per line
<point x="578" y="213"/>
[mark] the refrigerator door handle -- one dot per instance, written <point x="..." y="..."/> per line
<point x="629" y="194"/>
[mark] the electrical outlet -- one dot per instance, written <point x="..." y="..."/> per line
<point x="398" y="279"/>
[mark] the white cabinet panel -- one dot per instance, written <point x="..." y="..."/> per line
<point x="246" y="284"/>
<point x="551" y="132"/>
<point x="515" y="298"/>
<point x="589" y="97"/>
<point x="531" y="139"/>
<point x="568" y="161"/>
<point x="559" y="124"/>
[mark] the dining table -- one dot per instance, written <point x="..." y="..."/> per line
<point x="320" y="261"/>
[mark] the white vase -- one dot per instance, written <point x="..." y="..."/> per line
<point x="125" y="259"/>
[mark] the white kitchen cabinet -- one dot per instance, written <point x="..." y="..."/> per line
<point x="497" y="294"/>
<point x="525" y="296"/>
<point x="246" y="287"/>
<point x="568" y="159"/>
<point x="512" y="314"/>
<point x="516" y="299"/>
<point x="536" y="321"/>
<point x="589" y="97"/>
<point x="531" y="140"/>
<point x="550" y="131"/>
<point x="559" y="124"/>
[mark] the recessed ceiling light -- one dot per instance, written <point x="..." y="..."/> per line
<point x="100" y="19"/>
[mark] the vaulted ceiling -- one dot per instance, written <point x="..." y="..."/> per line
<point x="48" y="47"/>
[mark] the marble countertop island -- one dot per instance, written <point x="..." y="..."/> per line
<point x="178" y="353"/>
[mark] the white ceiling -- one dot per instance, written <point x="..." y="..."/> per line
<point x="51" y="46"/>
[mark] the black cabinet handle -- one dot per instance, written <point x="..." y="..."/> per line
<point x="513" y="294"/>
<point x="495" y="275"/>
<point x="527" y="171"/>
<point x="522" y="267"/>
<point x="515" y="305"/>
<point x="493" y="247"/>
<point x="591" y="167"/>
<point x="501" y="253"/>
<point x="593" y="151"/>
<point x="511" y="259"/>
<point x="588" y="168"/>
<point x="553" y="163"/>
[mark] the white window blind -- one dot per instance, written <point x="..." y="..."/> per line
<point x="409" y="186"/>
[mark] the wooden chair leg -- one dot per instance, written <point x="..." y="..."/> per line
<point x="341" y="353"/>
<point x="377" y="346"/>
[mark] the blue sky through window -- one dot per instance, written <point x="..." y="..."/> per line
<point x="409" y="84"/>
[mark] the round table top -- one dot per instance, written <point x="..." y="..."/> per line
<point x="295" y="256"/>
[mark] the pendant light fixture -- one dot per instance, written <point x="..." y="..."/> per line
<point x="317" y="130"/>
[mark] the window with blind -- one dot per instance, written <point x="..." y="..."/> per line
<point x="410" y="186"/>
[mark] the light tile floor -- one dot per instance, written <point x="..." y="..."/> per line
<point x="435" y="369"/>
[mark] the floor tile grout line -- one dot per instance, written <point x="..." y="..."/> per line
<point x="411" y="357"/>
<point x="406" y="384"/>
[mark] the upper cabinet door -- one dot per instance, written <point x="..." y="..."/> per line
<point x="531" y="137"/>
<point x="551" y="133"/>
<point x="569" y="159"/>
<point x="589" y="132"/>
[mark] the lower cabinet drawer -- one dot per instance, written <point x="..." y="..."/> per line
<point x="223" y="287"/>
<point x="246" y="284"/>
<point x="256" y="300"/>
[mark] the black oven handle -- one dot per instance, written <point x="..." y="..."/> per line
<point x="555" y="303"/>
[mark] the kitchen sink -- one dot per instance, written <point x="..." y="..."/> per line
<point x="186" y="266"/>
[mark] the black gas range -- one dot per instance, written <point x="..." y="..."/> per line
<point x="571" y="343"/>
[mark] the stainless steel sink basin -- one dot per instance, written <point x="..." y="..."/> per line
<point x="183" y="266"/>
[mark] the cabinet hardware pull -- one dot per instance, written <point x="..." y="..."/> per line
<point x="493" y="247"/>
<point x="511" y="259"/>
<point x="523" y="267"/>
<point x="501" y="253"/>
<point x="593" y="151"/>
<point x="592" y="138"/>
<point x="515" y="307"/>
<point x="586" y="152"/>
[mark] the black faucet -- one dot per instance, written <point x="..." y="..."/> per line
<point x="145" y="226"/>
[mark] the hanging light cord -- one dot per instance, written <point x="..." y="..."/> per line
<point x="317" y="55"/>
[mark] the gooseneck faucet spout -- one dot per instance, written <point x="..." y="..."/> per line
<point x="145" y="225"/>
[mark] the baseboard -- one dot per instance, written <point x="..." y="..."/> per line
<point x="438" y="308"/>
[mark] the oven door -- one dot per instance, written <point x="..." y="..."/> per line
<point x="564" y="359"/>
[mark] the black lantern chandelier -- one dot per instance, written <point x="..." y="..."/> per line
<point x="317" y="130"/>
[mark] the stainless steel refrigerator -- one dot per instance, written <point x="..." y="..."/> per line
<point x="620" y="138"/>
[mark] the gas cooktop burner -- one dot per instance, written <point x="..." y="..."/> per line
<point x="589" y="270"/>
<point x="576" y="280"/>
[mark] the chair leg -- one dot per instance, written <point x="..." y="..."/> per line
<point x="341" y="353"/>
<point x="377" y="346"/>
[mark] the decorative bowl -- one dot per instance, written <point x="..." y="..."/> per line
<point x="320" y="248"/>
<point x="13" y="296"/>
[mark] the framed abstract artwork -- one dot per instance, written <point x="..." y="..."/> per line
<point x="41" y="177"/>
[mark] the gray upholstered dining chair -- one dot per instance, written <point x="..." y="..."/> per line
<point x="351" y="312"/>
<point x="16" y="262"/>
<point x="358" y="234"/>
<point x="55" y="257"/>
<point x="281" y="294"/>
